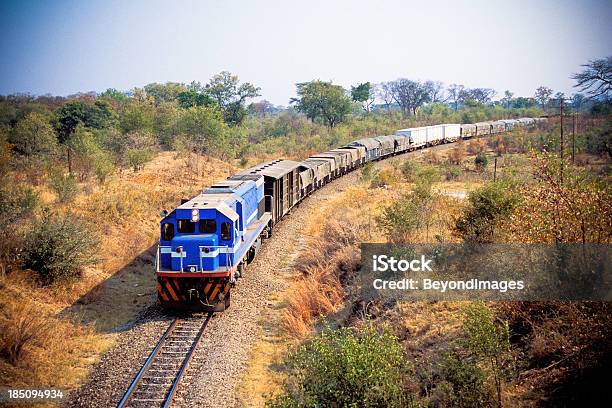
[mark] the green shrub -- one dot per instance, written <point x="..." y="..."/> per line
<point x="488" y="339"/>
<point x="451" y="172"/>
<point x="104" y="168"/>
<point x="34" y="135"/>
<point x="467" y="381"/>
<point x="424" y="179"/>
<point x="16" y="203"/>
<point x="409" y="170"/>
<point x="599" y="141"/>
<point x="342" y="368"/>
<point x="58" y="247"/>
<point x="369" y="172"/>
<point x="402" y="218"/>
<point x="488" y="207"/>
<point x="481" y="161"/>
<point x="136" y="158"/>
<point x="64" y="186"/>
<point x="384" y="177"/>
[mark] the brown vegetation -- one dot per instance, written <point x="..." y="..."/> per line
<point x="40" y="347"/>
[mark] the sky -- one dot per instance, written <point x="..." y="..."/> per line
<point x="64" y="47"/>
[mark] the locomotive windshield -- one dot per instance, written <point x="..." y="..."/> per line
<point x="186" y="226"/>
<point x="208" y="226"/>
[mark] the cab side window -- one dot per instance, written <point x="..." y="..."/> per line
<point x="226" y="231"/>
<point x="167" y="232"/>
<point x="186" y="226"/>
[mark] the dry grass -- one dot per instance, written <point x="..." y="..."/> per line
<point x="457" y="154"/>
<point x="40" y="349"/>
<point x="476" y="146"/>
<point x="48" y="349"/>
<point x="329" y="261"/>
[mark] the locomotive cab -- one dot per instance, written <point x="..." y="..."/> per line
<point x="199" y="240"/>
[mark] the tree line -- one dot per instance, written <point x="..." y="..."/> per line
<point x="330" y="103"/>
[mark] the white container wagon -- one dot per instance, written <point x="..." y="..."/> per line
<point x="468" y="130"/>
<point x="435" y="134"/>
<point x="417" y="137"/>
<point x="498" y="127"/>
<point x="452" y="132"/>
<point x="510" y="123"/>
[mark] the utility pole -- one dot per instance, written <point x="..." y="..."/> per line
<point x="561" y="112"/>
<point x="573" y="137"/>
<point x="495" y="170"/>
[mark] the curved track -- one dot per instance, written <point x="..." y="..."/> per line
<point x="158" y="379"/>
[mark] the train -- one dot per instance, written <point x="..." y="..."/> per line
<point x="207" y="242"/>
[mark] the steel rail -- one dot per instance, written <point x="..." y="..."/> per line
<point x="185" y="364"/>
<point x="169" y="395"/>
<point x="130" y="391"/>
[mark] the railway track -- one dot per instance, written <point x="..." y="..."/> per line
<point x="156" y="383"/>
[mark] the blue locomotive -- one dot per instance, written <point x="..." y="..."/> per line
<point x="206" y="242"/>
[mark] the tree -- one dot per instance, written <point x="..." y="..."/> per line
<point x="596" y="79"/>
<point x="193" y="97"/>
<point x="363" y="93"/>
<point x="33" y="135"/>
<point x="435" y="90"/>
<point x="89" y="157"/>
<point x="488" y="208"/>
<point x="385" y="93"/>
<point x="262" y="108"/>
<point x="507" y="99"/>
<point x="231" y="96"/>
<point x="167" y="92"/>
<point x="578" y="101"/>
<point x="542" y="95"/>
<point x="97" y="115"/>
<point x="456" y="93"/>
<point x="204" y="128"/>
<point x="115" y="95"/>
<point x="409" y="95"/>
<point x="522" y="102"/>
<point x="480" y="95"/>
<point x="323" y="100"/>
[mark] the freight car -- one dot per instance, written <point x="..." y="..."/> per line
<point x="207" y="242"/>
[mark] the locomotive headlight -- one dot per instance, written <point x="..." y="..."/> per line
<point x="195" y="215"/>
<point x="206" y="250"/>
<point x="192" y="269"/>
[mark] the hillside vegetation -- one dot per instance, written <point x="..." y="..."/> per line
<point x="452" y="353"/>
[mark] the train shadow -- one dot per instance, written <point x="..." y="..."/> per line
<point x="124" y="300"/>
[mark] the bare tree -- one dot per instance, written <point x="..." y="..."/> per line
<point x="435" y="90"/>
<point x="482" y="95"/>
<point x="455" y="94"/>
<point x="542" y="95"/>
<point x="596" y="79"/>
<point x="384" y="92"/>
<point x="507" y="99"/>
<point x="409" y="95"/>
